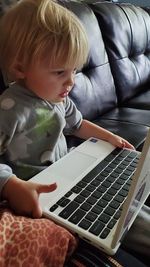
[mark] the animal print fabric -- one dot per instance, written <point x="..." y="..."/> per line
<point x="26" y="242"/>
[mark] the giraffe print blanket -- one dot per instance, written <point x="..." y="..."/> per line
<point x="26" y="242"/>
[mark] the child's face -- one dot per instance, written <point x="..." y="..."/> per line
<point x="51" y="84"/>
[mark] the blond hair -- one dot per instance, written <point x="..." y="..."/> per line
<point x="35" y="30"/>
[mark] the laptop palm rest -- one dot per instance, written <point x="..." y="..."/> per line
<point x="64" y="173"/>
<point x="71" y="167"/>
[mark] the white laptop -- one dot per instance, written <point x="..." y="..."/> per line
<point x="85" y="203"/>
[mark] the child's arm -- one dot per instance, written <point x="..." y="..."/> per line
<point x="89" y="129"/>
<point x="22" y="196"/>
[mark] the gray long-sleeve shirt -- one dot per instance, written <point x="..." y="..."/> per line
<point x="32" y="132"/>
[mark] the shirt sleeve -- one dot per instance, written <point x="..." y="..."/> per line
<point x="73" y="117"/>
<point x="7" y="128"/>
<point x="5" y="174"/>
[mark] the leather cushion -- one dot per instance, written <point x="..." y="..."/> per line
<point x="126" y="33"/>
<point x="94" y="91"/>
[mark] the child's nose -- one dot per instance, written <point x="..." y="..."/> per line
<point x="70" y="80"/>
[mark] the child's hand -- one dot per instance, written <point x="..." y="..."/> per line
<point x="23" y="196"/>
<point x="118" y="141"/>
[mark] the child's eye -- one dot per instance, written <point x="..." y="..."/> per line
<point x="60" y="72"/>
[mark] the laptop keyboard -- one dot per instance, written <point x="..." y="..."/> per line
<point x="95" y="203"/>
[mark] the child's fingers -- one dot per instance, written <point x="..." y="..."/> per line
<point x="46" y="188"/>
<point x="37" y="212"/>
<point x="41" y="188"/>
<point x="127" y="144"/>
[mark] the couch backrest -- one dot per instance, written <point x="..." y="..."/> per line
<point x="94" y="90"/>
<point x="126" y="33"/>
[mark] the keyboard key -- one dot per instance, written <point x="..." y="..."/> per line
<point x="108" y="169"/>
<point x="104" y="218"/>
<point x="133" y="154"/>
<point x="129" y="182"/>
<point x="117" y="214"/>
<point x="128" y="173"/>
<point x="123" y="193"/>
<point x="125" y="163"/>
<point x="112" y="191"/>
<point x="105" y="233"/>
<point x="66" y="212"/>
<point x="79" y="199"/>
<point x="128" y="159"/>
<point x="97" y="209"/>
<point x="53" y="208"/>
<point x="119" y="158"/>
<point x="91" y="216"/>
<point x="118" y="170"/>
<point x="87" y="178"/>
<point x="110" y="211"/>
<point x="90" y="188"/>
<point x="76" y="189"/>
<point x="95" y="182"/>
<point x="106" y="184"/>
<point x="126" y="187"/>
<point x="85" y="224"/>
<point x="116" y="161"/>
<point x="107" y="197"/>
<point x="133" y="164"/>
<point x="85" y="193"/>
<point x="123" y="176"/>
<point x="96" y="194"/>
<point x="116" y="186"/>
<point x="77" y="216"/>
<point x="114" y="204"/>
<point x="96" y="228"/>
<point x="121" y="181"/>
<point x="100" y="178"/>
<point x="110" y="179"/>
<point x="115" y="174"/>
<point x="102" y="203"/>
<point x="116" y="151"/>
<point x="102" y="189"/>
<point x="68" y="194"/>
<point x="109" y="158"/>
<point x="86" y="206"/>
<point x="82" y="184"/>
<point x="121" y="166"/>
<point x="91" y="200"/>
<point x="111" y="224"/>
<point x="113" y="165"/>
<point x="104" y="173"/>
<point x="124" y="153"/>
<point x="119" y="198"/>
<point x="63" y="202"/>
<point x="131" y="168"/>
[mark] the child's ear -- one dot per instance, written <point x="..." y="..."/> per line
<point x="18" y="71"/>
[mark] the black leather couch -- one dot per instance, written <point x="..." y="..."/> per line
<point x="113" y="88"/>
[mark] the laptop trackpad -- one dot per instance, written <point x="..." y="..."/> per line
<point x="73" y="165"/>
<point x="67" y="169"/>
